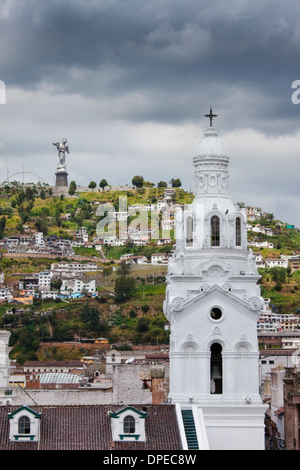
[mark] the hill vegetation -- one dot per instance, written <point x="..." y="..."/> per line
<point x="130" y="309"/>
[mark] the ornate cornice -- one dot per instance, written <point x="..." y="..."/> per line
<point x="181" y="307"/>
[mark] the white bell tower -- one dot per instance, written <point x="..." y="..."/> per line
<point x="213" y="303"/>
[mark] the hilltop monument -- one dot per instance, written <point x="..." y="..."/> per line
<point x="61" y="173"/>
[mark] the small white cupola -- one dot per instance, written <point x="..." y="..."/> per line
<point x="24" y="425"/>
<point x="128" y="424"/>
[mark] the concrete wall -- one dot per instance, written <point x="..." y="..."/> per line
<point x="128" y="388"/>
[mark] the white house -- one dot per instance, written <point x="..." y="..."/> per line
<point x="5" y="294"/>
<point x="39" y="239"/>
<point x="44" y="280"/>
<point x="77" y="285"/>
<point x="159" y="258"/>
<point x="276" y="262"/>
<point x="50" y="294"/>
<point x="73" y="267"/>
<point x="82" y="234"/>
<point x="259" y="260"/>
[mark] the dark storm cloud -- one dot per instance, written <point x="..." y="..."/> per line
<point x="128" y="83"/>
<point x="166" y="50"/>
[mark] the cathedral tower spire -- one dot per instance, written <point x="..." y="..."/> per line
<point x="213" y="304"/>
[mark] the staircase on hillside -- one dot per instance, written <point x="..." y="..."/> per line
<point x="190" y="429"/>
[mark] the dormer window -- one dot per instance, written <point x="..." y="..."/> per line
<point x="128" y="424"/>
<point x="215" y="231"/>
<point x="24" y="425"/>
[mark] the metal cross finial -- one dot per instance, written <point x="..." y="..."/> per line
<point x="210" y="116"/>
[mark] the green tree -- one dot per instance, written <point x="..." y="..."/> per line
<point x="91" y="318"/>
<point x="72" y="188"/>
<point x="162" y="184"/>
<point x="124" y="268"/>
<point x="125" y="288"/>
<point x="2" y="226"/>
<point x="143" y="324"/>
<point x="92" y="185"/>
<point x="27" y="342"/>
<point x="278" y="275"/>
<point x="56" y="283"/>
<point x="103" y="183"/>
<point x="176" y="183"/>
<point x="138" y="181"/>
<point x="125" y="285"/>
<point x="41" y="225"/>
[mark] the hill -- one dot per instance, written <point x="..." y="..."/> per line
<point x="135" y="317"/>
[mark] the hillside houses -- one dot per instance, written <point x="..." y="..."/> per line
<point x="272" y="321"/>
<point x="254" y="213"/>
<point x="260" y="229"/>
<point x="277" y="262"/>
<point x="37" y="244"/>
<point x="73" y="286"/>
<point x="284" y="261"/>
<point x="71" y="276"/>
<point x="134" y="226"/>
<point x="73" y="267"/>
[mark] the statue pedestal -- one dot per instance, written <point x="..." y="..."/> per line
<point x="61" y="178"/>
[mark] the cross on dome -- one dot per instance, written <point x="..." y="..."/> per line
<point x="211" y="116"/>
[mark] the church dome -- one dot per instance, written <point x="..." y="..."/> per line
<point x="95" y="368"/>
<point x="211" y="145"/>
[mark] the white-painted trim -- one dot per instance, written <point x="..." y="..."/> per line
<point x="200" y="428"/>
<point x="181" y="426"/>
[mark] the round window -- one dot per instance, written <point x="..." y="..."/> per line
<point x="216" y="313"/>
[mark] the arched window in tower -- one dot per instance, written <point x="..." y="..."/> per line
<point x="189" y="231"/>
<point x="216" y="369"/>
<point x="238" y="232"/>
<point x="215" y="231"/>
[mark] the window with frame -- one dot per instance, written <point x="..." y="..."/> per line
<point x="238" y="235"/>
<point x="189" y="231"/>
<point x="215" y="231"/>
<point x="129" y="425"/>
<point x="216" y="369"/>
<point x="24" y="425"/>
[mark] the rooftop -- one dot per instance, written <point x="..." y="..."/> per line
<point x="89" y="428"/>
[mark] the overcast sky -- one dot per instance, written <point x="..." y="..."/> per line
<point x="128" y="82"/>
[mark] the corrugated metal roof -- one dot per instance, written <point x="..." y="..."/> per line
<point x="59" y="378"/>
